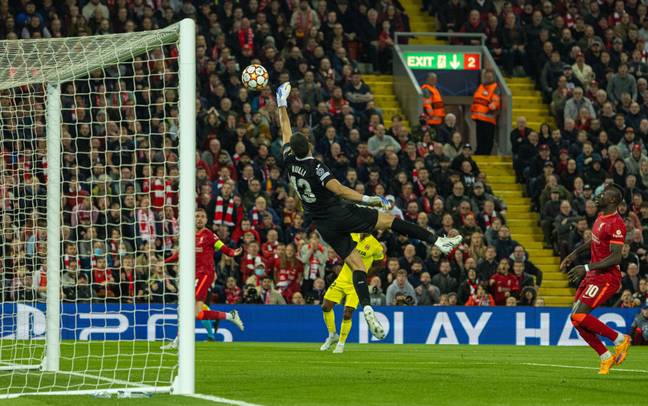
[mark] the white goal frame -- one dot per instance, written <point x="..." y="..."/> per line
<point x="184" y="381"/>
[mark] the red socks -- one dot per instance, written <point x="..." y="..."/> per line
<point x="592" y="340"/>
<point x="594" y="325"/>
<point x="211" y="315"/>
<point x="589" y="327"/>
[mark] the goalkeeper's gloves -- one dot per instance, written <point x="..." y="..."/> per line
<point x="377" y="201"/>
<point x="283" y="92"/>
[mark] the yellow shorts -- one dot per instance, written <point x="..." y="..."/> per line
<point x="342" y="290"/>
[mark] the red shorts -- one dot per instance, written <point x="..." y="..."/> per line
<point x="203" y="284"/>
<point x="596" y="289"/>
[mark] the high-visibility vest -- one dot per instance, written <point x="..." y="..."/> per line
<point x="486" y="103"/>
<point x="433" y="105"/>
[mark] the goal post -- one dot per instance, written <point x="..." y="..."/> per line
<point x="97" y="186"/>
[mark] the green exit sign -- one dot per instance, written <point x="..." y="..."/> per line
<point x="443" y="60"/>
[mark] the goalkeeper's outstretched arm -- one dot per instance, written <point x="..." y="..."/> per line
<point x="283" y="92"/>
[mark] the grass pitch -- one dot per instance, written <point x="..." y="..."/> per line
<point x="380" y="374"/>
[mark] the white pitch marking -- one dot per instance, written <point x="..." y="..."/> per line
<point x="534" y="364"/>
<point x="218" y="399"/>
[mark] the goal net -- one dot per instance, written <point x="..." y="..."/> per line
<point x="96" y="188"/>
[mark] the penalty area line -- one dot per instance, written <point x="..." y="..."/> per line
<point x="219" y="399"/>
<point x="535" y="364"/>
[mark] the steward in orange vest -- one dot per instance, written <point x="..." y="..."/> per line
<point x="484" y="109"/>
<point x="433" y="107"/>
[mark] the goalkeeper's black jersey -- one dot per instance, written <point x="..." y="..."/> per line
<point x="308" y="177"/>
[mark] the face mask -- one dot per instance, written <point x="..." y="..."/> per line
<point x="259" y="272"/>
<point x="122" y="253"/>
<point x="97" y="251"/>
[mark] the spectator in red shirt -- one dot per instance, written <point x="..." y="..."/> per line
<point x="232" y="291"/>
<point x="288" y="272"/>
<point x="103" y="280"/>
<point x="503" y="284"/>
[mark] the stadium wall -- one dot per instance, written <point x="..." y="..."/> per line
<point x="405" y="325"/>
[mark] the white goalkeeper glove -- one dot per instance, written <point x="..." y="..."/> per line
<point x="283" y="92"/>
<point x="377" y="201"/>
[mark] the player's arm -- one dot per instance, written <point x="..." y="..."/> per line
<point x="284" y="123"/>
<point x="614" y="258"/>
<point x="283" y="91"/>
<point x="219" y="246"/>
<point x="347" y="193"/>
<point x="574" y="254"/>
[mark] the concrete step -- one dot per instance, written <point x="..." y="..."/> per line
<point x="382" y="88"/>
<point x="555" y="283"/>
<point x="523" y="216"/>
<point x="522" y="223"/>
<point x="536" y="253"/>
<point x="525" y="102"/>
<point x="520" y="86"/>
<point x="386" y="99"/>
<point x="561" y="301"/>
<point x="526" y="93"/>
<point x="500" y="178"/>
<point x="527" y="244"/>
<point x="499" y="170"/>
<point x="516" y="80"/>
<point x="498" y="186"/>
<point x="546" y="261"/>
<point x="516" y="208"/>
<point x="551" y="275"/>
<point x="555" y="291"/>
<point x="492" y="158"/>
<point x="513" y="200"/>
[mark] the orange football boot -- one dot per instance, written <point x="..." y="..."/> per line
<point x="606" y="365"/>
<point x="621" y="350"/>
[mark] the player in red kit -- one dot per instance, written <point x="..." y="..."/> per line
<point x="206" y="245"/>
<point x="601" y="279"/>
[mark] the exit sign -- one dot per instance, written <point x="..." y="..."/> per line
<point x="442" y="60"/>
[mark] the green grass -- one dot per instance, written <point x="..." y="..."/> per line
<point x="380" y="374"/>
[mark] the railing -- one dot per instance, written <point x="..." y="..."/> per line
<point x="406" y="87"/>
<point x="480" y="37"/>
<point x="409" y="94"/>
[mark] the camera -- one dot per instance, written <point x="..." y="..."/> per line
<point x="251" y="295"/>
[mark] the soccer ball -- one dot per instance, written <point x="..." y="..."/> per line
<point x="255" y="77"/>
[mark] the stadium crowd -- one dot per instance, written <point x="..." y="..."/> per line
<point x="119" y="219"/>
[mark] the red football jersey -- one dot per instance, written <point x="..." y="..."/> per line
<point x="508" y="281"/>
<point x="205" y="240"/>
<point x="608" y="229"/>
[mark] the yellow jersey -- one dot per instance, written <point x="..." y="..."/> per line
<point x="370" y="250"/>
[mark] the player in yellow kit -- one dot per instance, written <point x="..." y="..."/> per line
<point x="342" y="289"/>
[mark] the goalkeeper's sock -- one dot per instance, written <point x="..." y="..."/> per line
<point x="345" y="328"/>
<point x="329" y="319"/>
<point x="361" y="287"/>
<point x="412" y="230"/>
<point x="213" y="315"/>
